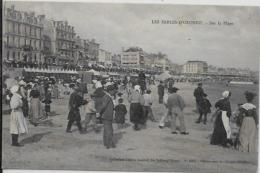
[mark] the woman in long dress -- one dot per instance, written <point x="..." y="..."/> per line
<point x="248" y="130"/>
<point x="35" y="108"/>
<point x="136" y="100"/>
<point x="18" y="123"/>
<point x="222" y="131"/>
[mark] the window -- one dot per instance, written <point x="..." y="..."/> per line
<point x="30" y="42"/>
<point x="30" y="31"/>
<point x="18" y="42"/>
<point x="34" y="44"/>
<point x="7" y="40"/>
<point x="7" y="55"/>
<point x="19" y="31"/>
<point x="35" y="57"/>
<point x="13" y="28"/>
<point x="13" y="41"/>
<point x="19" y="55"/>
<point x="13" y="55"/>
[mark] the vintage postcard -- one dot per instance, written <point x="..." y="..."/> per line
<point x="130" y="87"/>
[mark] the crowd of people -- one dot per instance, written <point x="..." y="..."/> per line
<point x="106" y="105"/>
<point x="236" y="129"/>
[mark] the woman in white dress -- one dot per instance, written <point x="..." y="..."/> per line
<point x="18" y="123"/>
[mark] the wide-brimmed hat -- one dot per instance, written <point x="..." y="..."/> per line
<point x="14" y="89"/>
<point x="250" y="95"/>
<point x="111" y="87"/>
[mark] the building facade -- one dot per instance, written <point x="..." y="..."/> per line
<point x="133" y="57"/>
<point x="116" y="60"/>
<point x="65" y="43"/>
<point x="91" y="49"/>
<point x="22" y="36"/>
<point x="104" y="57"/>
<point x="62" y="36"/>
<point x="195" y="67"/>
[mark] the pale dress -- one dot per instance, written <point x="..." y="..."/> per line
<point x="248" y="130"/>
<point x="18" y="123"/>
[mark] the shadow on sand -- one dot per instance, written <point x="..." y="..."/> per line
<point x="34" y="138"/>
<point x="118" y="136"/>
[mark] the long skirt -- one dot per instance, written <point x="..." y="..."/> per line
<point x="35" y="109"/>
<point x="219" y="136"/>
<point x="18" y="123"/>
<point x="247" y="135"/>
<point x="136" y="113"/>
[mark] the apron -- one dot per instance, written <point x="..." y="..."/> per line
<point x="226" y="125"/>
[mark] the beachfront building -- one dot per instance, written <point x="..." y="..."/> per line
<point x="104" y="57"/>
<point x="62" y="37"/>
<point x="91" y="48"/>
<point x="22" y="36"/>
<point x="133" y="57"/>
<point x="116" y="60"/>
<point x="195" y="67"/>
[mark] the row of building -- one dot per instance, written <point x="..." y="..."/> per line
<point x="36" y="39"/>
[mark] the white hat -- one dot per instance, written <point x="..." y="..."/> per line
<point x="98" y="84"/>
<point x="138" y="88"/>
<point x="14" y="89"/>
<point x="225" y="94"/>
<point x="22" y="82"/>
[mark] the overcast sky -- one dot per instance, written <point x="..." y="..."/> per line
<point x="123" y="25"/>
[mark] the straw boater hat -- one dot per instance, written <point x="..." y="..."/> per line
<point x="14" y="89"/>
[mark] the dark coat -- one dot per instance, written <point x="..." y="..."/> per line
<point x="107" y="108"/>
<point x="198" y="94"/>
<point x="120" y="112"/>
<point x="224" y="105"/>
<point x="205" y="106"/>
<point x="160" y="90"/>
<point x="74" y="103"/>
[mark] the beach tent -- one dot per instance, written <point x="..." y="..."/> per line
<point x="96" y="73"/>
<point x="113" y="74"/>
<point x="165" y="75"/>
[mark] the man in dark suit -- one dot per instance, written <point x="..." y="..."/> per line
<point x="106" y="113"/>
<point x="75" y="101"/>
<point x="198" y="94"/>
<point x="161" y="92"/>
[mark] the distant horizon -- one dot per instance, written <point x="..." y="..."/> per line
<point x="114" y="26"/>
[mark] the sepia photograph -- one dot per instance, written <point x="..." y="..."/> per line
<point x="130" y="87"/>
